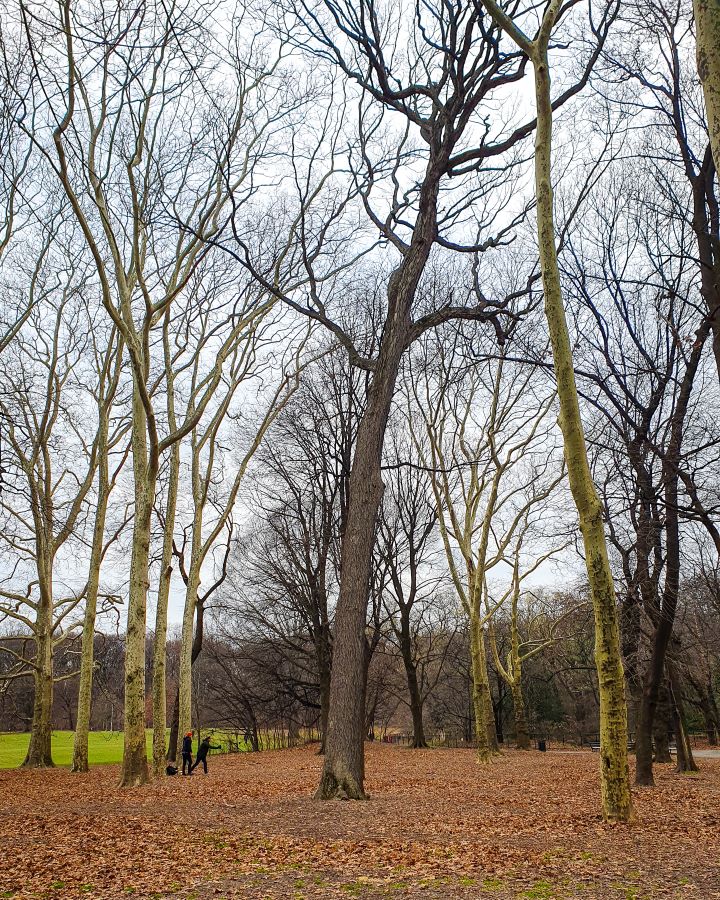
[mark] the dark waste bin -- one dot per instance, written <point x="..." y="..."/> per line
<point x="541" y="746"/>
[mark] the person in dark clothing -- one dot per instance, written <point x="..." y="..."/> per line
<point x="202" y="753"/>
<point x="187" y="753"/>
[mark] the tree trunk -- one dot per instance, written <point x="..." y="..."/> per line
<point x="416" y="710"/>
<point x="135" y="766"/>
<point x="685" y="759"/>
<point x="80" y="762"/>
<point x="416" y="705"/>
<point x="614" y="772"/>
<point x="159" y="688"/>
<point x="175" y="743"/>
<point x="649" y="701"/>
<point x="185" y="668"/>
<point x="713" y="719"/>
<point x="707" y="29"/>
<point x="482" y="701"/>
<point x="343" y="773"/>
<point x="324" y="708"/>
<point x="661" y="726"/>
<point x="39" y="753"/>
<point x="172" y="751"/>
<point x="522" y="734"/>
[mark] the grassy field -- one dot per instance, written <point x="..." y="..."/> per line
<point x="103" y="747"/>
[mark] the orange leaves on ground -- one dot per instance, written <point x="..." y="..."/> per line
<point x="437" y="825"/>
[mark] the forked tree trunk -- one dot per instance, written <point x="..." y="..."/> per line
<point x="135" y="766"/>
<point x="614" y="772"/>
<point x="522" y="733"/>
<point x="80" y="762"/>
<point x="707" y="29"/>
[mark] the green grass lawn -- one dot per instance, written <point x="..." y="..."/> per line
<point x="103" y="747"/>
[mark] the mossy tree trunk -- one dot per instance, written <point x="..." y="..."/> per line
<point x="615" y="778"/>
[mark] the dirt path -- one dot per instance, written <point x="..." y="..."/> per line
<point x="437" y="825"/>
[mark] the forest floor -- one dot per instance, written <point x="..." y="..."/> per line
<point x="437" y="825"/>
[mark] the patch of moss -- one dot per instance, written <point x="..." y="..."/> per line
<point x="541" y="890"/>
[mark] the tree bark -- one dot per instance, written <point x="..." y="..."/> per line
<point x="614" y="772"/>
<point x="707" y="29"/>
<point x="343" y="773"/>
<point x="522" y="734"/>
<point x="80" y="762"/>
<point x="416" y="704"/>
<point x="135" y="766"/>
<point x="685" y="759"/>
<point x="185" y="668"/>
<point x="661" y="726"/>
<point x="482" y="701"/>
<point x="159" y="689"/>
<point x="39" y="752"/>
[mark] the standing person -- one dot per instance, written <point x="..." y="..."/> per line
<point x="187" y="753"/>
<point x="202" y="753"/>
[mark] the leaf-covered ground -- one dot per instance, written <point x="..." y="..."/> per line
<point x="437" y="825"/>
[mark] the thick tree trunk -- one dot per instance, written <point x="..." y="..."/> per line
<point x="135" y="766"/>
<point x="39" y="752"/>
<point x="522" y="734"/>
<point x="614" y="772"/>
<point x="344" y="770"/>
<point x="707" y="28"/>
<point x="159" y="688"/>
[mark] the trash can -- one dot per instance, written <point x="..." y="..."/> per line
<point x="541" y="746"/>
